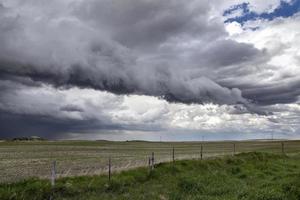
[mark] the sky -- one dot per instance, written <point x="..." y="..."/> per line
<point x="167" y="70"/>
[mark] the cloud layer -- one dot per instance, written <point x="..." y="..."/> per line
<point x="58" y="112"/>
<point x="139" y="47"/>
<point x="72" y="66"/>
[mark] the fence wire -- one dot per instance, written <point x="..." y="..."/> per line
<point x="22" y="160"/>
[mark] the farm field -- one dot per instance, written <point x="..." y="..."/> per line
<point x="246" y="176"/>
<point x="23" y="160"/>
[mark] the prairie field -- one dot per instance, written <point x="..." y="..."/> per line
<point x="21" y="160"/>
<point x="245" y="176"/>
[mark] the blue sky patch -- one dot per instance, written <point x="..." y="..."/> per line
<point x="284" y="10"/>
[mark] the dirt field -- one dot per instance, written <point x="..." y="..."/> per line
<point x="20" y="160"/>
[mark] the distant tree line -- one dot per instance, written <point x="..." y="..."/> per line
<point x="31" y="138"/>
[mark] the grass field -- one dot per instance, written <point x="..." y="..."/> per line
<point x="246" y="176"/>
<point x="22" y="160"/>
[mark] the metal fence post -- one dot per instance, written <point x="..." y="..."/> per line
<point x="53" y="173"/>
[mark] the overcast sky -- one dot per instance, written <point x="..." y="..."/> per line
<point x="150" y="69"/>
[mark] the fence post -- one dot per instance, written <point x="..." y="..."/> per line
<point x="201" y="152"/>
<point x="152" y="161"/>
<point x="53" y="173"/>
<point x="282" y="147"/>
<point x="109" y="168"/>
<point x="233" y="148"/>
<point x="173" y="154"/>
<point x="149" y="162"/>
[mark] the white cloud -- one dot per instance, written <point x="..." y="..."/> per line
<point x="279" y="73"/>
<point x="149" y="113"/>
<point x="234" y="28"/>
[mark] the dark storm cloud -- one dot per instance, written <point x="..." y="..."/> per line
<point x="19" y="125"/>
<point x="136" y="23"/>
<point x="224" y="51"/>
<point x="125" y="47"/>
<point x="51" y="127"/>
<point x="27" y="110"/>
<point x="283" y="90"/>
<point x="277" y="93"/>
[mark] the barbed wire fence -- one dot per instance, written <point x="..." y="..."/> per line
<point x="176" y="152"/>
<point x="111" y="160"/>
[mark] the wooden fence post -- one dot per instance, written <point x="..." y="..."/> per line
<point x="173" y="154"/>
<point x="201" y="152"/>
<point x="282" y="147"/>
<point x="233" y="148"/>
<point x="53" y="173"/>
<point x="152" y="161"/>
<point x="109" y="168"/>
<point x="149" y="162"/>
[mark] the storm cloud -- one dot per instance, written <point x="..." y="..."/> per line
<point x="129" y="47"/>
<point x="91" y="63"/>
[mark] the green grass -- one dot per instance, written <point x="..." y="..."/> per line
<point x="23" y="160"/>
<point x="247" y="176"/>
